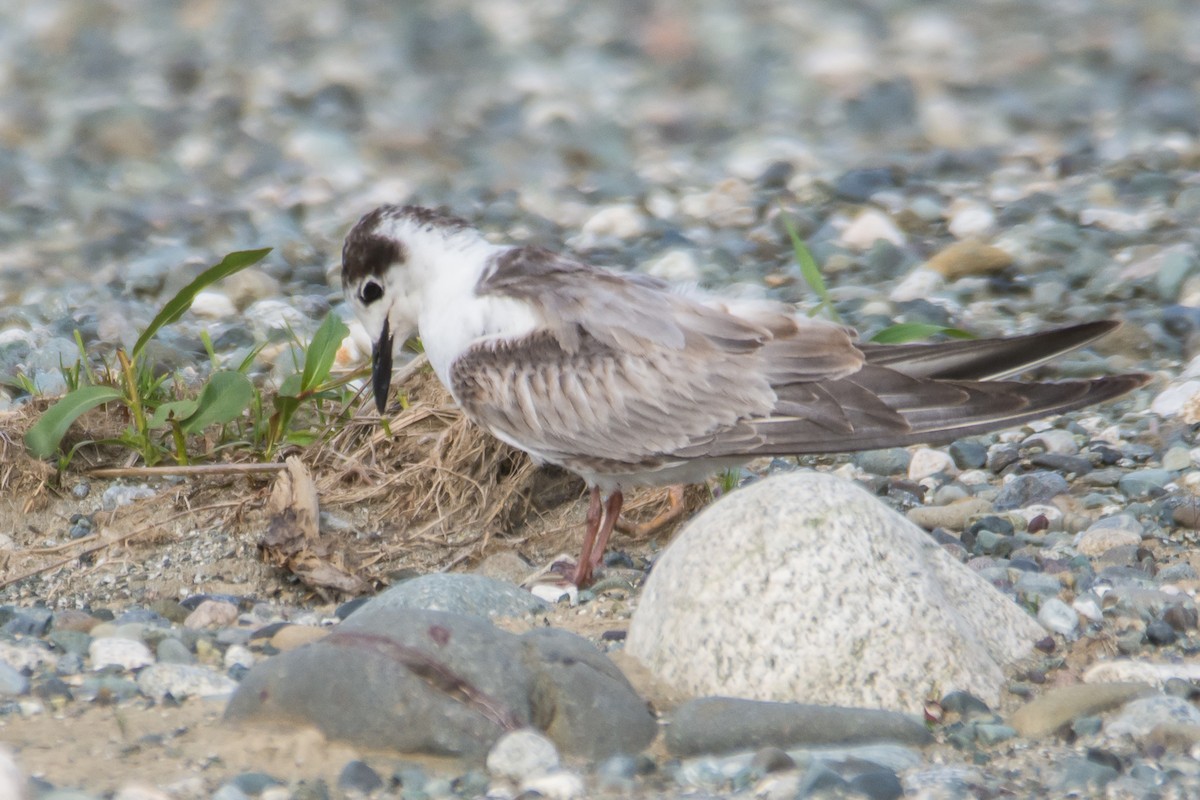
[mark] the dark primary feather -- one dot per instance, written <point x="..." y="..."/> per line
<point x="627" y="375"/>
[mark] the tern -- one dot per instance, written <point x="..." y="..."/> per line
<point x="628" y="381"/>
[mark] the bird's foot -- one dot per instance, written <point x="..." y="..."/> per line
<point x="674" y="510"/>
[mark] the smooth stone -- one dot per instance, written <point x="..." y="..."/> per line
<point x="522" y="754"/>
<point x="877" y="784"/>
<point x="172" y="651"/>
<point x="953" y="517"/>
<point x="120" y="495"/>
<point x="1105" y="534"/>
<point x="1081" y="773"/>
<point x="969" y="257"/>
<point x="879" y="614"/>
<point x="968" y="454"/>
<point x="183" y="680"/>
<point x="1144" y="483"/>
<point x="559" y="784"/>
<point x="1139" y="717"/>
<point x="12" y="783"/>
<point x="926" y="462"/>
<point x="726" y="724"/>
<point x="12" y="682"/>
<point x="891" y="461"/>
<point x="1057" y="707"/>
<point x="1053" y="440"/>
<point x="212" y="614"/>
<point x="421" y="681"/>
<point x="127" y="654"/>
<point x="1058" y="617"/>
<point x="359" y="776"/>
<point x="1030" y="489"/>
<point x="1177" y="459"/>
<point x="459" y="593"/>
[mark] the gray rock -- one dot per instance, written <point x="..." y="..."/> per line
<point x="968" y="454"/>
<point x="803" y="587"/>
<point x="1144" y="483"/>
<point x="725" y="724"/>
<point x="1058" y="707"/>
<point x="1030" y="489"/>
<point x="877" y="784"/>
<point x="172" y="651"/>
<point x="891" y="461"/>
<point x="1081" y="773"/>
<point x="421" y="681"/>
<point x="12" y="682"/>
<point x="119" y="495"/>
<point x="475" y="595"/>
<point x="1140" y="717"/>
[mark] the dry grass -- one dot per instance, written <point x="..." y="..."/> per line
<point x="435" y="494"/>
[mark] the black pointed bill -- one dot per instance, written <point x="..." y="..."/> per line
<point x="381" y="367"/>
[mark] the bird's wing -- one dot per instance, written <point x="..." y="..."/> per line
<point x="628" y="371"/>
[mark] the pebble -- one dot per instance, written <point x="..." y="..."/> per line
<point x="969" y="257"/>
<point x="183" y="680"/>
<point x="1059" y="706"/>
<point x="127" y="654"/>
<point x="869" y="227"/>
<point x="926" y="462"/>
<point x="884" y="462"/>
<point x="522" y="755"/>
<point x="1108" y="533"/>
<point x="116" y="496"/>
<point x="1030" y="489"/>
<point x="1058" y="617"/>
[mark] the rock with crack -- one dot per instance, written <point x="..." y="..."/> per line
<point x="421" y="681"/>
<point x="805" y="588"/>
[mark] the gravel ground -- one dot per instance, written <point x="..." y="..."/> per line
<point x="998" y="166"/>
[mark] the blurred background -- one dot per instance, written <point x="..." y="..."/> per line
<point x="140" y="140"/>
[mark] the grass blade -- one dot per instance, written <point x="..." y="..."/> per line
<point x="915" y="331"/>
<point x="181" y="302"/>
<point x="809" y="269"/>
<point x="43" y="438"/>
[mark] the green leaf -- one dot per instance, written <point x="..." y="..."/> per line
<point x="318" y="359"/>
<point x="809" y="269"/>
<point x="290" y="386"/>
<point x="43" y="438"/>
<point x="177" y="409"/>
<point x="915" y="331"/>
<point x="226" y="395"/>
<point x="181" y="302"/>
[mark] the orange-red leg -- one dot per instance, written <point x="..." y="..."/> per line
<point x="672" y="512"/>
<point x="595" y="537"/>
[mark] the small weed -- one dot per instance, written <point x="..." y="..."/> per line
<point x="899" y="333"/>
<point x="163" y="422"/>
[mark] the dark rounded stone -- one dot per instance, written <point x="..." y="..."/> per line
<point x="992" y="523"/>
<point x="358" y="776"/>
<point x="1180" y="617"/>
<point x="880" y="784"/>
<point x="858" y="185"/>
<point x="1159" y="633"/>
<point x="968" y="454"/>
<point x="966" y="705"/>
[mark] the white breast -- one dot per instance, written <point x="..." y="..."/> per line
<point x="449" y="328"/>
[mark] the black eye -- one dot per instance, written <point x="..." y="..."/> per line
<point x="371" y="292"/>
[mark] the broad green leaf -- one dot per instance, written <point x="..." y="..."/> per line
<point x="43" y="438"/>
<point x="290" y="387"/>
<point x="226" y="395"/>
<point x="179" y="409"/>
<point x="915" y="331"/>
<point x="181" y="302"/>
<point x="318" y="359"/>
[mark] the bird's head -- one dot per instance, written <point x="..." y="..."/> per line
<point x="385" y="264"/>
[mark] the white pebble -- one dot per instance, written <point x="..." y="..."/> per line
<point x="869" y="227"/>
<point x="970" y="218"/>
<point x="238" y="656"/>
<point x="677" y="266"/>
<point x="115" y="651"/>
<point x="1088" y="606"/>
<point x="1052" y="514"/>
<point x="621" y="221"/>
<point x="920" y="284"/>
<point x="1058" y="616"/>
<point x="560" y="784"/>
<point x="926" y="462"/>
<point x="1054" y="440"/>
<point x="521" y="755"/>
<point x="1106" y="534"/>
<point x="1181" y="400"/>
<point x="213" y="305"/>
